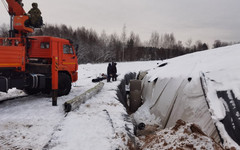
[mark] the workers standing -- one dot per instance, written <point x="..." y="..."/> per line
<point x="112" y="72"/>
<point x="35" y="16"/>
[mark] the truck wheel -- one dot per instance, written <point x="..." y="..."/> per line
<point x="31" y="91"/>
<point x="64" y="84"/>
<point x="48" y="88"/>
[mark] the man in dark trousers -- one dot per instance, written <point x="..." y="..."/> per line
<point x="114" y="71"/>
<point x="109" y="72"/>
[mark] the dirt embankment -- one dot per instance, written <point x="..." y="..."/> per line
<point x="183" y="136"/>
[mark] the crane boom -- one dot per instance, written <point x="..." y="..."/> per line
<point x="14" y="8"/>
<point x="18" y="19"/>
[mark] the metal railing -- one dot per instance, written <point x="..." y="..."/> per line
<point x="10" y="42"/>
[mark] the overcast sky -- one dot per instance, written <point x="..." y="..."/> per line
<point x="205" y="20"/>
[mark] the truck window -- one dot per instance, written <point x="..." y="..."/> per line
<point x="45" y="45"/>
<point x="67" y="49"/>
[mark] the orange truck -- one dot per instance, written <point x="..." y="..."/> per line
<point x="37" y="63"/>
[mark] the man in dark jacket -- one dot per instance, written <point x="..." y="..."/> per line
<point x="35" y="16"/>
<point x="109" y="72"/>
<point x="114" y="71"/>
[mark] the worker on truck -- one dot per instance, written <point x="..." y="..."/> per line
<point x="35" y="16"/>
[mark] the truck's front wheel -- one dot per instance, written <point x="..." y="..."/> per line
<point x="64" y="84"/>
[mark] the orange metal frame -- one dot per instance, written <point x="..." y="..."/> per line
<point x="12" y="54"/>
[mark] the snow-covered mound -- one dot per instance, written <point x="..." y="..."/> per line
<point x="202" y="87"/>
<point x="220" y="59"/>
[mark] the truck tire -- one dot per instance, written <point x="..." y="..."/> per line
<point x="64" y="84"/>
<point x="48" y="88"/>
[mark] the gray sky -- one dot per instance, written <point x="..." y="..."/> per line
<point x="205" y="20"/>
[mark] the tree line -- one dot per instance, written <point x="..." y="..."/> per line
<point x="93" y="48"/>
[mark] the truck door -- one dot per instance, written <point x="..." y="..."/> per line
<point x="69" y="58"/>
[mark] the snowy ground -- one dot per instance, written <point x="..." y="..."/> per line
<point x="32" y="123"/>
<point x="101" y="123"/>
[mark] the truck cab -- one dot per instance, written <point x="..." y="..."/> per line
<point x="56" y="57"/>
<point x="44" y="48"/>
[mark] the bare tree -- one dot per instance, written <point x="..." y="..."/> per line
<point x="115" y="46"/>
<point x="104" y="38"/>
<point x="104" y="42"/>
<point x="4" y="30"/>
<point x="154" y="39"/>
<point x="123" y="38"/>
<point x="219" y="43"/>
<point x="188" y="43"/>
<point x="168" y="41"/>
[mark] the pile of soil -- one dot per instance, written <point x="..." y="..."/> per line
<point x="183" y="136"/>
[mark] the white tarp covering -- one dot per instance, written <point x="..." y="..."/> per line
<point x="172" y="99"/>
<point x="165" y="102"/>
